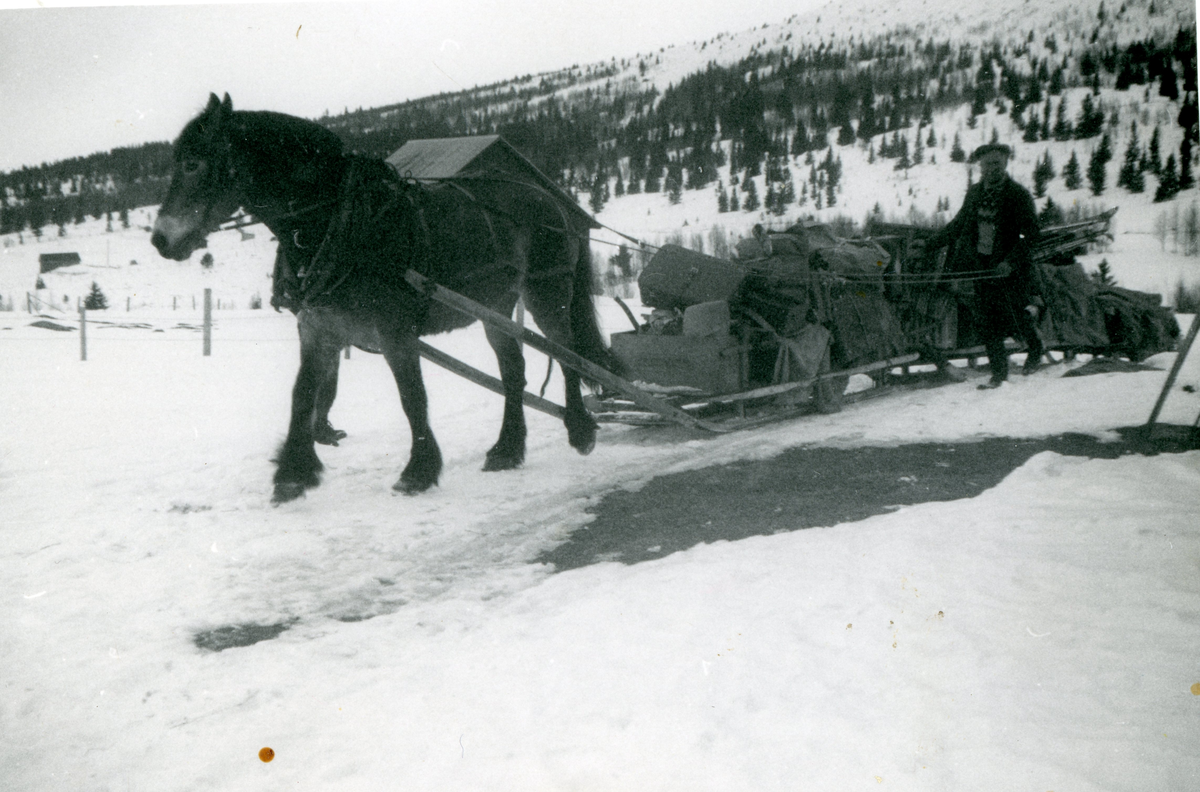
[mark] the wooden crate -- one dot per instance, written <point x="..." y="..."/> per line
<point x="713" y="364"/>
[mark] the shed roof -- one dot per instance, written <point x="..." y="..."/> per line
<point x="447" y="158"/>
<point x="52" y="261"/>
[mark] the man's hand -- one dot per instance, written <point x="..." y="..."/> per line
<point x="1003" y="269"/>
<point x="1032" y="310"/>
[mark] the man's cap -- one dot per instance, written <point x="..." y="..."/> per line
<point x="990" y="148"/>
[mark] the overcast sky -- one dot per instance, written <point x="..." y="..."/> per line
<point x="79" y="79"/>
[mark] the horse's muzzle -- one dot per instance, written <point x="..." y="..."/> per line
<point x="174" y="239"/>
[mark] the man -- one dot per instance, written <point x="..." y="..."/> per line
<point x="998" y="227"/>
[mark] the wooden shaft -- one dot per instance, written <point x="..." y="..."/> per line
<point x="556" y="351"/>
<point x="434" y="355"/>
<point x="82" y="333"/>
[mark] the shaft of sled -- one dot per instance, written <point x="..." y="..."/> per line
<point x="1180" y="356"/>
<point x="434" y="355"/>
<point x="556" y="351"/>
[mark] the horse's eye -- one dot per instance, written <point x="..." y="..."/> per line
<point x="192" y="167"/>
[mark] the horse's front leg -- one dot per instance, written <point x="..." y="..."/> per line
<point x="509" y="450"/>
<point x="425" y="459"/>
<point x="297" y="465"/>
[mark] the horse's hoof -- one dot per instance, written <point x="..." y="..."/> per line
<point x="287" y="491"/>
<point x="501" y="461"/>
<point x="411" y="487"/>
<point x="583" y="440"/>
<point x="327" y="435"/>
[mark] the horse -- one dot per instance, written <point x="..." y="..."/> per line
<point x="348" y="229"/>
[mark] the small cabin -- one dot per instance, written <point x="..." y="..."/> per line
<point x="51" y="261"/>
<point x="433" y="159"/>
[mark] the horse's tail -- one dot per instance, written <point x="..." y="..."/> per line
<point x="585" y="328"/>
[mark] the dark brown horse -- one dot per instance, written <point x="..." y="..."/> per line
<point x="348" y="229"/>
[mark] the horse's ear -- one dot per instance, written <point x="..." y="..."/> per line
<point x="227" y="105"/>
<point x="213" y="103"/>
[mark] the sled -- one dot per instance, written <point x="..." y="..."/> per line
<point x="624" y="401"/>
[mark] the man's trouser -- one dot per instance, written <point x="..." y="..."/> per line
<point x="1000" y="317"/>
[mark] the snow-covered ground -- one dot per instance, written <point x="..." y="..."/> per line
<point x="1039" y="636"/>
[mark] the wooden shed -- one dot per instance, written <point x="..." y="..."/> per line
<point x="52" y="261"/>
<point x="434" y="159"/>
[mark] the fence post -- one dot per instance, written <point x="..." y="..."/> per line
<point x="207" y="322"/>
<point x="82" y="333"/>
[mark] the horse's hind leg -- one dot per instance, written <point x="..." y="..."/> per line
<point x="549" y="302"/>
<point x="425" y="459"/>
<point x="323" y="431"/>
<point x="297" y="465"/>
<point x="509" y="450"/>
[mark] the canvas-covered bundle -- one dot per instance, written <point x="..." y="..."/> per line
<point x="1138" y="324"/>
<point x="1073" y="318"/>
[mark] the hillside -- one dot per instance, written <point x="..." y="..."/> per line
<point x="814" y="112"/>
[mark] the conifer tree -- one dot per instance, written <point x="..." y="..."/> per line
<point x="674" y="183"/>
<point x="931" y="141"/>
<point x="652" y="177"/>
<point x="1168" y="181"/>
<point x="1131" y="177"/>
<point x="956" y="151"/>
<point x="596" y="193"/>
<point x="902" y="160"/>
<point x="1186" y="180"/>
<point x="1050" y="214"/>
<point x="751" y="202"/>
<point x="735" y="204"/>
<point x="1032" y="127"/>
<point x="1154" y="155"/>
<point x="1103" y="275"/>
<point x="722" y="198"/>
<point x="1043" y="172"/>
<point x="1097" y="172"/>
<point x="918" y="152"/>
<point x="95" y="300"/>
<point x="1062" y="127"/>
<point x="1091" y="119"/>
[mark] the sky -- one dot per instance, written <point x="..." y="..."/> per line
<point x="79" y="79"/>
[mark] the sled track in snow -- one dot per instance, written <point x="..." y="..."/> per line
<point x="800" y="488"/>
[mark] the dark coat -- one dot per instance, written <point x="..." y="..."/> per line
<point x="1016" y="234"/>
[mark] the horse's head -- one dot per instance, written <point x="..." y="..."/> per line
<point x="203" y="191"/>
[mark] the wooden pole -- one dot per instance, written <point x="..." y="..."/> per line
<point x="434" y="355"/>
<point x="207" y="322"/>
<point x="1179" y="358"/>
<point x="82" y="333"/>
<point x="560" y="353"/>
